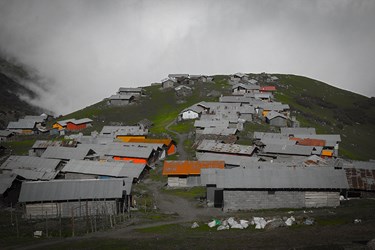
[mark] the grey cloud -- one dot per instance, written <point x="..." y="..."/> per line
<point x="90" y="48"/>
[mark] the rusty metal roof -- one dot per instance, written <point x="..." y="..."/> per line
<point x="189" y="167"/>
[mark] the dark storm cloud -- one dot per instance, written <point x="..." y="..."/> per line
<point x="90" y="48"/>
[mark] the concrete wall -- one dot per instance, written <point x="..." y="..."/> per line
<point x="189" y="114"/>
<point x="183" y="181"/>
<point x="246" y="200"/>
<point x="119" y="102"/>
<point x="278" y="121"/>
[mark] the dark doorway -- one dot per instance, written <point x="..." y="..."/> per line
<point x="219" y="197"/>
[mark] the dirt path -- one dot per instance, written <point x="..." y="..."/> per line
<point x="180" y="143"/>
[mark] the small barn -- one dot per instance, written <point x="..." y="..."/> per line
<point x="274" y="187"/>
<point x="242" y="89"/>
<point x="78" y="198"/>
<point x="130" y="91"/>
<point x="5" y="135"/>
<point x="23" y="126"/>
<point x="168" y="83"/>
<point x="187" y="173"/>
<point x="76" y="125"/>
<point x="121" y="100"/>
<point x="276" y="119"/>
<point x="41" y="145"/>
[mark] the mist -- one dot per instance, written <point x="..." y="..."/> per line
<point x="86" y="50"/>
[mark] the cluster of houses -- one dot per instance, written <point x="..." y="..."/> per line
<point x="125" y="96"/>
<point x="27" y="125"/>
<point x="293" y="168"/>
<point x="84" y="176"/>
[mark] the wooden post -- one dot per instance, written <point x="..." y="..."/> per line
<point x="46" y="224"/>
<point x="72" y="222"/>
<point x="60" y="223"/>
<point x="18" y="233"/>
<point x="87" y="217"/>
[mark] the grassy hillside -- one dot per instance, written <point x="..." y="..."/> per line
<point x="316" y="104"/>
<point x="332" y="110"/>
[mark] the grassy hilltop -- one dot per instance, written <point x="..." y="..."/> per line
<point x="314" y="103"/>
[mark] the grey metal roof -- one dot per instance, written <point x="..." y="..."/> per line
<point x="246" y="86"/>
<point x="123" y="130"/>
<point x="5" y="133"/>
<point x="36" y="174"/>
<point x="36" y="118"/>
<point x="121" y="97"/>
<point x="291" y="131"/>
<point x="276" y="178"/>
<point x="219" y="131"/>
<point x="82" y="121"/>
<point x="64" y="190"/>
<point x="263" y="95"/>
<point x="274" y="106"/>
<point x="273" y="114"/>
<point x="66" y="153"/>
<point x="278" y="141"/>
<point x="44" y="144"/>
<point x="333" y="138"/>
<point x="211" y="124"/>
<point x="213" y="146"/>
<point x="115" y="169"/>
<point x="228" y="159"/>
<point x="267" y="135"/>
<point x="196" y="108"/>
<point x="6" y="180"/>
<point x="288" y="149"/>
<point x="119" y="150"/>
<point x="178" y="75"/>
<point x="133" y="90"/>
<point x="22" y="124"/>
<point x="30" y="162"/>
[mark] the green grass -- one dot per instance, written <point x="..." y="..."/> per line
<point x="187" y="193"/>
<point x="183" y="126"/>
<point x="20" y="147"/>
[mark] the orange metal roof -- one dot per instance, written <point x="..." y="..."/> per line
<point x="166" y="142"/>
<point x="309" y="142"/>
<point x="268" y="88"/>
<point x="189" y="167"/>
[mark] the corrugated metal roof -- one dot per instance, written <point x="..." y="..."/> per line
<point x="115" y="169"/>
<point x="44" y="144"/>
<point x="266" y="135"/>
<point x="6" y="180"/>
<point x="66" y="153"/>
<point x="246" y="86"/>
<point x="331" y="139"/>
<point x="291" y="131"/>
<point x="36" y="174"/>
<point x="123" y="130"/>
<point x="30" y="162"/>
<point x="360" y="174"/>
<point x="219" y="131"/>
<point x="35" y="118"/>
<point x="273" y="114"/>
<point x="277" y="141"/>
<point x="213" y="146"/>
<point x="118" y="150"/>
<point x="237" y="160"/>
<point x="309" y="142"/>
<point x="122" y="89"/>
<point x="210" y="124"/>
<point x="22" y="124"/>
<point x="189" y="167"/>
<point x="288" y="149"/>
<point x="64" y="190"/>
<point x="5" y="133"/>
<point x="81" y="121"/>
<point x="63" y="123"/>
<point x="276" y="178"/>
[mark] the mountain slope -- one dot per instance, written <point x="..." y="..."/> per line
<point x="314" y="103"/>
<point x="13" y="93"/>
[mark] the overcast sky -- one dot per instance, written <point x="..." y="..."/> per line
<point x="88" y="49"/>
